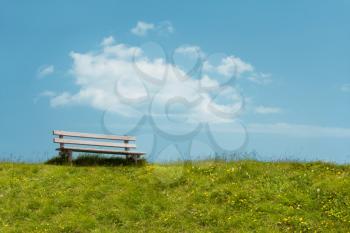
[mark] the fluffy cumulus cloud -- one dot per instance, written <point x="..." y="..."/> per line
<point x="107" y="41"/>
<point x="233" y="65"/>
<point x="121" y="78"/>
<point x="45" y="70"/>
<point x="189" y="50"/>
<point x="143" y="28"/>
<point x="228" y="66"/>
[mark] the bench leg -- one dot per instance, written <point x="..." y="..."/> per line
<point x="66" y="155"/>
<point x="136" y="158"/>
<point x="62" y="154"/>
<point x="128" y="157"/>
<point x="69" y="157"/>
<point x="131" y="158"/>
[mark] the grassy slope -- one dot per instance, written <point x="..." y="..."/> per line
<point x="243" y="196"/>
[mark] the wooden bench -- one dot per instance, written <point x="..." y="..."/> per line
<point x="102" y="144"/>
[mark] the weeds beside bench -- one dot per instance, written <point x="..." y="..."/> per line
<point x="101" y="144"/>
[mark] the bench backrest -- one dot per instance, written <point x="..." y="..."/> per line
<point x="109" y="140"/>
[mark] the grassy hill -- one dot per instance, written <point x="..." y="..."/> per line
<point x="244" y="196"/>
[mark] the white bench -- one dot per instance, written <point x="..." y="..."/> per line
<point x="107" y="146"/>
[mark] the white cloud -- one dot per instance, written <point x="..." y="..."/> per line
<point x="190" y="50"/>
<point x="120" y="51"/>
<point x="47" y="93"/>
<point x="44" y="94"/>
<point x="299" y="130"/>
<point x="46" y="70"/>
<point x="108" y="41"/>
<point x="345" y="87"/>
<point x="232" y="65"/>
<point x="165" y="27"/>
<point x="116" y="73"/>
<point x="267" y="110"/>
<point x="261" y="79"/>
<point x="207" y="82"/>
<point x="61" y="99"/>
<point x="222" y="68"/>
<point x="142" y="28"/>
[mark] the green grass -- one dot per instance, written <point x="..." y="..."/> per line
<point x="243" y="196"/>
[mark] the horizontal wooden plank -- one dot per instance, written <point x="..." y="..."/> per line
<point x="89" y="135"/>
<point x="102" y="151"/>
<point x="94" y="143"/>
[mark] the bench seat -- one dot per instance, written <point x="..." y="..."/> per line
<point x="101" y="151"/>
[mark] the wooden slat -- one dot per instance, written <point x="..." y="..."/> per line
<point x="89" y="135"/>
<point x="102" y="151"/>
<point x="93" y="143"/>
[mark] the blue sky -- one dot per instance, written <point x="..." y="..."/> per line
<point x="286" y="65"/>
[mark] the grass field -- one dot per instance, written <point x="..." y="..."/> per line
<point x="243" y="196"/>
